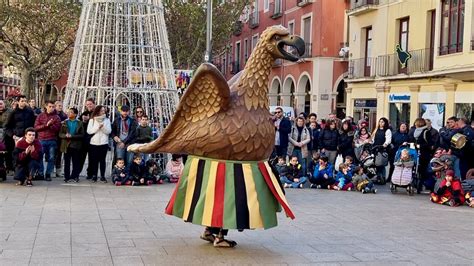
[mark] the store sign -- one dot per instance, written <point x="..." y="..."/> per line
<point x="399" y="98"/>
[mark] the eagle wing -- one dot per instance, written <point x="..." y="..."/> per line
<point x="207" y="95"/>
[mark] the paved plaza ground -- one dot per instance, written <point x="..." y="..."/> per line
<point x="54" y="223"/>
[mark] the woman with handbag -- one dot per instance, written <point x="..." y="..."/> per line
<point x="382" y="138"/>
<point x="422" y="138"/>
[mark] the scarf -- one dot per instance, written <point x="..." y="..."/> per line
<point x="99" y="118"/>
<point x="418" y="131"/>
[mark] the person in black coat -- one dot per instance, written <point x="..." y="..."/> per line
<point x="422" y="138"/>
<point x="399" y="138"/>
<point x="313" y="145"/>
<point x="328" y="141"/>
<point x="467" y="152"/>
<point x="18" y="120"/>
<point x="282" y="129"/>
<point x="447" y="132"/>
<point x="346" y="140"/>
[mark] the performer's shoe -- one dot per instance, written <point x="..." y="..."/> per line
<point x="207" y="236"/>
<point x="224" y="243"/>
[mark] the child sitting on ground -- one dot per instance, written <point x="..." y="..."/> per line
<point x="153" y="172"/>
<point x="119" y="173"/>
<point x="361" y="182"/>
<point x="295" y="177"/>
<point x="138" y="172"/>
<point x="343" y="179"/>
<point x="450" y="191"/>
<point x="281" y="167"/>
<point x="349" y="161"/>
<point x="312" y="164"/>
<point x="174" y="168"/>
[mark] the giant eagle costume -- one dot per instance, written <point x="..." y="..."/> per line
<point x="227" y="131"/>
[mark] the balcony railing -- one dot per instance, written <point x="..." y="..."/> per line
<point x="275" y="9"/>
<point x="362" y="67"/>
<point x="307" y="50"/>
<point x="234" y="67"/>
<point x="253" y="20"/>
<point x="421" y="61"/>
<point x="301" y="3"/>
<point x="362" y="6"/>
<point x="237" y="28"/>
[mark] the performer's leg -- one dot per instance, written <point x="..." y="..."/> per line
<point x="223" y="243"/>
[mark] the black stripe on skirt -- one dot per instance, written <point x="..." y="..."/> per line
<point x="197" y="189"/>
<point x="242" y="209"/>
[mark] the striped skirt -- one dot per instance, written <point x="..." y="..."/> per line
<point x="228" y="194"/>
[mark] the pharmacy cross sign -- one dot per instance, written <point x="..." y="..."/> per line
<point x="403" y="56"/>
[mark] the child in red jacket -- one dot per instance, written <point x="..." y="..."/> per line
<point x="450" y="191"/>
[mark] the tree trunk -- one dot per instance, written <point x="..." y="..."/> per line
<point x="27" y="83"/>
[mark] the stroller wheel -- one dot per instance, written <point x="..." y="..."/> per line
<point x="393" y="188"/>
<point x="411" y="191"/>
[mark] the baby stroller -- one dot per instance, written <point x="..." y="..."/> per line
<point x="367" y="161"/>
<point x="405" y="174"/>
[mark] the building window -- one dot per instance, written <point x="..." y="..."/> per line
<point x="403" y="34"/>
<point x="368" y="51"/>
<point x="246" y="50"/>
<point x="452" y="26"/>
<point x="291" y="27"/>
<point x="266" y="5"/>
<point x="254" y="41"/>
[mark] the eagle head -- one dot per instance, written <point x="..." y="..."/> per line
<point x="275" y="39"/>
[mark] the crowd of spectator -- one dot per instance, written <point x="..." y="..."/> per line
<point x="328" y="153"/>
<point x="40" y="144"/>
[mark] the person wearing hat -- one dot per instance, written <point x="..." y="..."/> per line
<point x="450" y="191"/>
<point x="124" y="133"/>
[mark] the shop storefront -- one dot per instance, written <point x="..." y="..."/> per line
<point x="399" y="108"/>
<point x="366" y="109"/>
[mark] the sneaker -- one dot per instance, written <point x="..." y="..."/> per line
<point x="103" y="180"/>
<point x="47" y="178"/>
<point x="318" y="186"/>
<point x="76" y="180"/>
<point x="286" y="185"/>
<point x="30" y="184"/>
<point x="349" y="189"/>
<point x="301" y="186"/>
<point x="128" y="183"/>
<point x="66" y="180"/>
<point x="451" y="203"/>
<point x="20" y="183"/>
<point x="160" y="181"/>
<point x="313" y="186"/>
<point x="149" y="182"/>
<point x="374" y="190"/>
<point x="364" y="191"/>
<point x="118" y="184"/>
<point x="207" y="236"/>
<point x="94" y="180"/>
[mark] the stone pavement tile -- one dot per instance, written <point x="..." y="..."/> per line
<point x="99" y="261"/>
<point x="128" y="261"/>
<point x="379" y="263"/>
<point x="447" y="257"/>
<point x="130" y="235"/>
<point x="15" y="253"/>
<point x="175" y="260"/>
<point x="16" y="245"/>
<point x="377" y="256"/>
<point x="52" y="251"/>
<point x="87" y="228"/>
<point x="289" y="249"/>
<point x="20" y="236"/>
<point x="89" y="250"/>
<point x="84" y="217"/>
<point x="88" y="238"/>
<point x="109" y="215"/>
<point x="45" y="228"/>
<point x="119" y="243"/>
<point x="329" y="257"/>
<point x="51" y="261"/>
<point x="14" y="261"/>
<point x="125" y="251"/>
<point x="53" y="239"/>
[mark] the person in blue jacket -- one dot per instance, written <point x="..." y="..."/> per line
<point x="323" y="175"/>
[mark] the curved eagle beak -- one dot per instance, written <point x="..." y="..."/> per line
<point x="294" y="41"/>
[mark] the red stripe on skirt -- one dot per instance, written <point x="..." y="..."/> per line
<point x="269" y="182"/>
<point x="218" y="210"/>
<point x="169" y="207"/>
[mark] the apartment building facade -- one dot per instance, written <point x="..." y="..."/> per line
<point x="312" y="84"/>
<point x="409" y="59"/>
<point x="9" y="81"/>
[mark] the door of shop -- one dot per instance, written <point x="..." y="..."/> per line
<point x="367" y="110"/>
